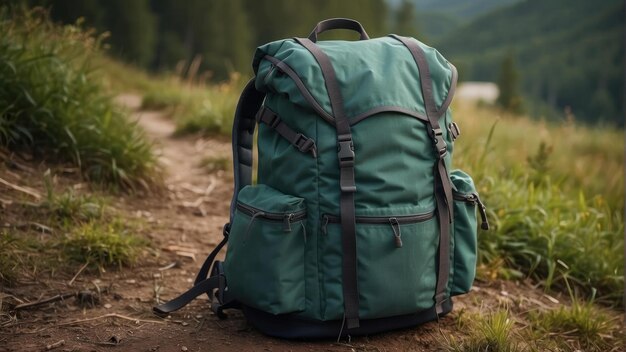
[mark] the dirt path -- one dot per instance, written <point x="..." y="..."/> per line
<point x="185" y="225"/>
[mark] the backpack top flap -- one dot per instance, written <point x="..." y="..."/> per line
<point x="374" y="73"/>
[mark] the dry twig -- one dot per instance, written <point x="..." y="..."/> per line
<point x="27" y="190"/>
<point x="78" y="273"/>
<point x="55" y="345"/>
<point x="45" y="301"/>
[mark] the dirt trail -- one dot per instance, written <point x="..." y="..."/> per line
<point x="185" y="225"/>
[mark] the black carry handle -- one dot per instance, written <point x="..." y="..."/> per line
<point x="338" y="23"/>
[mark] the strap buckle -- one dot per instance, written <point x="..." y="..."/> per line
<point x="305" y="144"/>
<point x="345" y="154"/>
<point x="454" y="130"/>
<point x="345" y="151"/>
<point x="440" y="144"/>
<point x="267" y="116"/>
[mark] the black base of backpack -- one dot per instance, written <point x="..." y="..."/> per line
<point x="289" y="326"/>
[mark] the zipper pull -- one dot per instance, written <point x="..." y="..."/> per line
<point x="325" y="224"/>
<point x="252" y="218"/>
<point x="483" y="213"/>
<point x="395" y="226"/>
<point x="287" y="222"/>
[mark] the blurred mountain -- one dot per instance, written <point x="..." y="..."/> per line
<point x="569" y="53"/>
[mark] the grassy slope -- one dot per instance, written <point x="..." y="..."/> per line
<point x="195" y="107"/>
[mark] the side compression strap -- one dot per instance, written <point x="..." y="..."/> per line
<point x="443" y="188"/>
<point x="202" y="284"/>
<point x="345" y="156"/>
<point x="298" y="140"/>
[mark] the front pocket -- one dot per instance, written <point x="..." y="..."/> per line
<point x="395" y="263"/>
<point x="466" y="200"/>
<point x="264" y="264"/>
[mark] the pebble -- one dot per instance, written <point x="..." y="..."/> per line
<point x="108" y="306"/>
<point x="184" y="348"/>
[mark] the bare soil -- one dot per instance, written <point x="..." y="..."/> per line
<point x="184" y="224"/>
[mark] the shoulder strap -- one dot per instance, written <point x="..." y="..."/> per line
<point x="243" y="131"/>
<point x="443" y="187"/>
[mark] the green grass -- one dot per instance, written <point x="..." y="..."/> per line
<point x="580" y="326"/>
<point x="102" y="244"/>
<point x="70" y="206"/>
<point x="492" y="332"/>
<point x="55" y="106"/>
<point x="195" y="107"/>
<point x="81" y="229"/>
<point x="555" y="199"/>
<point x="207" y="110"/>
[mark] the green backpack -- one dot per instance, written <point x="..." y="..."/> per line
<point x="355" y="224"/>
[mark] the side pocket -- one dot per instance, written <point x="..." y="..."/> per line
<point x="466" y="200"/>
<point x="264" y="263"/>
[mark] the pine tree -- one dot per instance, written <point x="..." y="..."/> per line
<point x="509" y="98"/>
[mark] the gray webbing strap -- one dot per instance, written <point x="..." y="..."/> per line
<point x="298" y="140"/>
<point x="345" y="156"/>
<point x="443" y="188"/>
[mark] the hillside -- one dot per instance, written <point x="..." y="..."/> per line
<point x="568" y="53"/>
<point x="463" y="9"/>
<point x="434" y="19"/>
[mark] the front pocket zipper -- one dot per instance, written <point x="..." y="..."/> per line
<point x="393" y="221"/>
<point x="474" y="199"/>
<point x="286" y="218"/>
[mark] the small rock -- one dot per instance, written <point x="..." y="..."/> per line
<point x="184" y="323"/>
<point x="504" y="293"/>
<point x="108" y="306"/>
<point x="199" y="316"/>
<point x="184" y="349"/>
